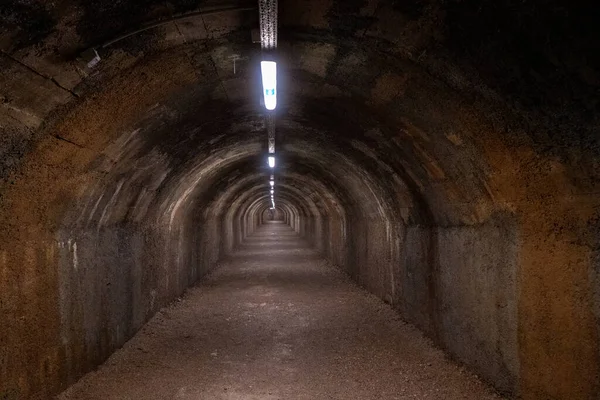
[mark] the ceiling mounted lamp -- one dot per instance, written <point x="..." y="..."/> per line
<point x="272" y="183"/>
<point x="268" y="71"/>
<point x="272" y="161"/>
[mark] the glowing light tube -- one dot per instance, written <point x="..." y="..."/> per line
<point x="268" y="70"/>
<point x="272" y="162"/>
<point x="272" y="183"/>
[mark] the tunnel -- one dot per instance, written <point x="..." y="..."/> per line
<point x="442" y="155"/>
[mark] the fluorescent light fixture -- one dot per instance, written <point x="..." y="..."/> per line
<point x="272" y="183"/>
<point x="272" y="191"/>
<point x="272" y="161"/>
<point x="268" y="70"/>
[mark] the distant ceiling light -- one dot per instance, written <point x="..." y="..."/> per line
<point x="272" y="183"/>
<point x="271" y="161"/>
<point x="272" y="191"/>
<point x="268" y="70"/>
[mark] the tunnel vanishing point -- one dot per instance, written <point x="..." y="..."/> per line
<point x="445" y="154"/>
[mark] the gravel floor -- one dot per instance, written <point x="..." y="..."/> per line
<point x="276" y="322"/>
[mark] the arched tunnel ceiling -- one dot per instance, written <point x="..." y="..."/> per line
<point x="333" y="71"/>
<point x="435" y="113"/>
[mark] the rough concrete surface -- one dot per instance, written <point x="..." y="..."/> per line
<point x="277" y="322"/>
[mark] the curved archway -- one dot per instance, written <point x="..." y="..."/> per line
<point x="442" y="154"/>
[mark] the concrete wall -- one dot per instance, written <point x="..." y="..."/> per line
<point x="76" y="298"/>
<point x="457" y="284"/>
<point x="477" y="298"/>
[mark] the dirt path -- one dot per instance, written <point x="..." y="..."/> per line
<point x="277" y="323"/>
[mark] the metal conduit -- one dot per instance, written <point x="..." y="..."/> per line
<point x="268" y="39"/>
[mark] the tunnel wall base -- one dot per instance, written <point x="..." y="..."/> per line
<point x="457" y="284"/>
<point x="88" y="292"/>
